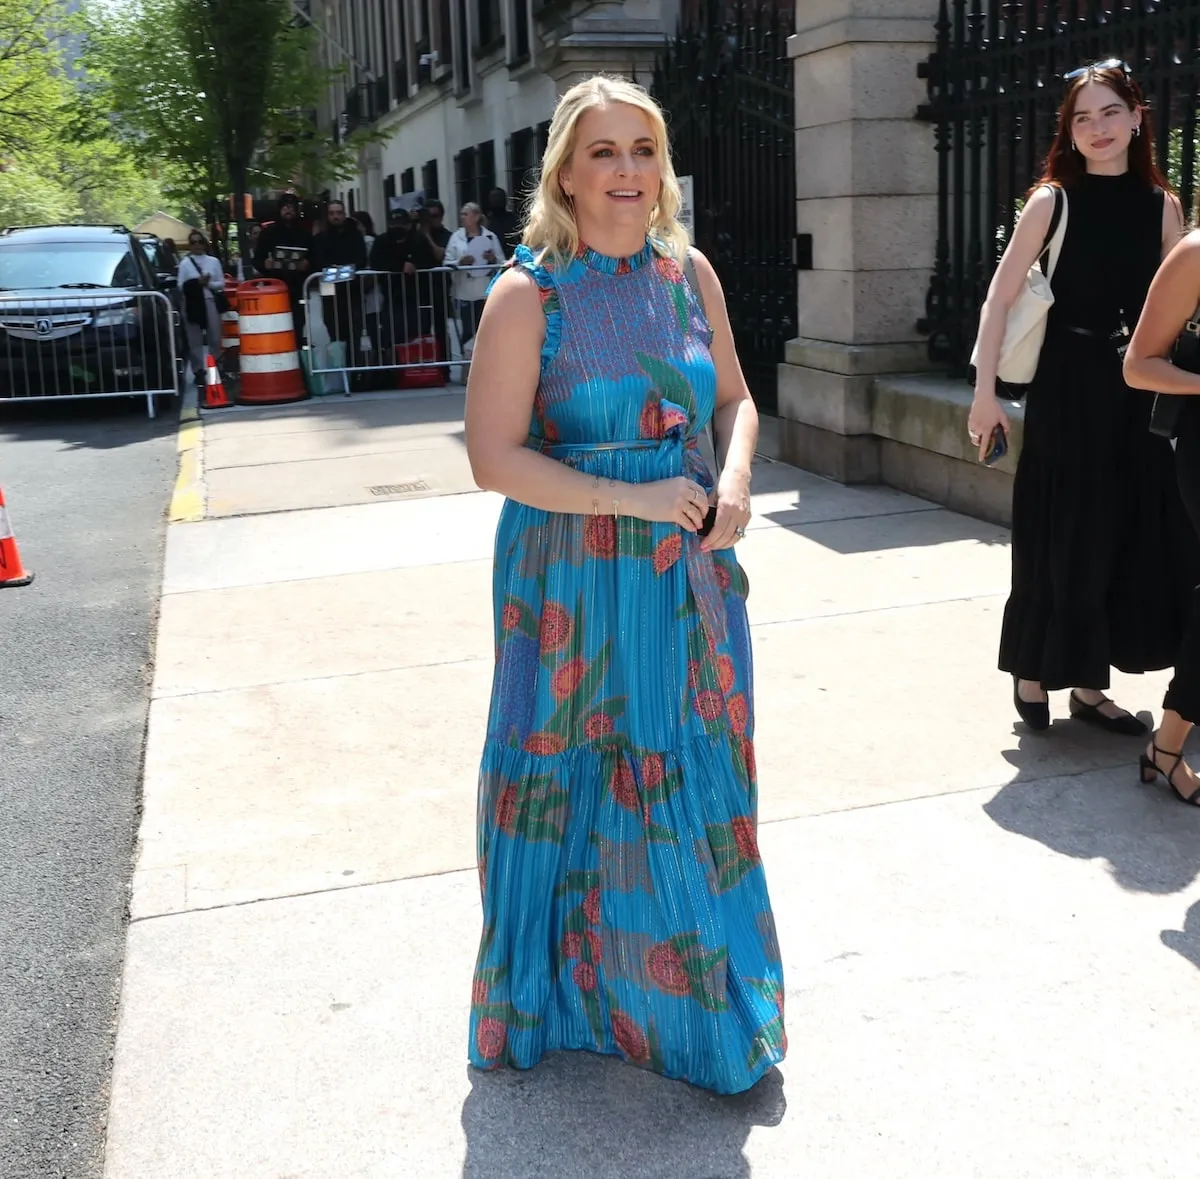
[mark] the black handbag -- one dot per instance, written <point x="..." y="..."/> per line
<point x="1167" y="411"/>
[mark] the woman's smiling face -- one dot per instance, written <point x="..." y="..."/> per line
<point x="1101" y="124"/>
<point x="613" y="175"/>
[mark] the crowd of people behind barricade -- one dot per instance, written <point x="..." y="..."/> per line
<point x="423" y="283"/>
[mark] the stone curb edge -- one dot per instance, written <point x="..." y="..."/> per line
<point x="187" y="501"/>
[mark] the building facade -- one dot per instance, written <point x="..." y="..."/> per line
<point x="462" y="91"/>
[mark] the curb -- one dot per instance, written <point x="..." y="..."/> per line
<point x="187" y="501"/>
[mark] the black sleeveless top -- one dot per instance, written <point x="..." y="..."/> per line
<point x="1110" y="254"/>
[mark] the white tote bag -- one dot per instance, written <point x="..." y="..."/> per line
<point x="1025" y="328"/>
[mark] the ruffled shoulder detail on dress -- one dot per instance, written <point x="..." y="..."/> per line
<point x="542" y="274"/>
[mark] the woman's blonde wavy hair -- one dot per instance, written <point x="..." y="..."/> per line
<point x="551" y="228"/>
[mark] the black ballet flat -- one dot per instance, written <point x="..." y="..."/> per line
<point x="1035" y="713"/>
<point x="1126" y="725"/>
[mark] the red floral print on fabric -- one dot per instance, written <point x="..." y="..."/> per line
<point x="510" y="616"/>
<point x="598" y="725"/>
<point x="630" y="1038"/>
<point x="591" y="906"/>
<point x="710" y="705"/>
<point x="567" y="678"/>
<point x="624" y="787"/>
<point x="545" y="744"/>
<point x="667" y="552"/>
<point x="595" y="948"/>
<point x="650" y="424"/>
<point x="739" y="713"/>
<point x="584" y="976"/>
<point x="572" y="945"/>
<point x="652" y="771"/>
<point x="745" y="837"/>
<point x="668" y="268"/>
<point x="748" y="755"/>
<point x="666" y="969"/>
<point x="479" y="992"/>
<point x="506" y="809"/>
<point x="556" y="627"/>
<point x="490" y="1038"/>
<point x="726" y="675"/>
<point x="600" y="536"/>
<point x="723" y="576"/>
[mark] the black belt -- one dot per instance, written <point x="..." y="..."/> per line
<point x="1090" y="333"/>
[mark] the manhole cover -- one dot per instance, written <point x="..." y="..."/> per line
<point x="399" y="488"/>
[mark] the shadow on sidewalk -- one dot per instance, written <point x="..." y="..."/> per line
<point x="593" y="1117"/>
<point x="1078" y="793"/>
<point x="1186" y="941"/>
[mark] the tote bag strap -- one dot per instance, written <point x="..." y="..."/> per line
<point x="1056" y="234"/>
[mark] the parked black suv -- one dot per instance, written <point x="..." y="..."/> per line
<point x="78" y="316"/>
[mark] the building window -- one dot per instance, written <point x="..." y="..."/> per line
<point x="389" y="187"/>
<point x="543" y="139"/>
<point x="520" y="38"/>
<point x="407" y="180"/>
<point x="490" y="29"/>
<point x="429" y="179"/>
<point x="485" y="170"/>
<point x="522" y="163"/>
<point x="465" y="176"/>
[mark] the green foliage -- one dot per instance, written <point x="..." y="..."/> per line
<point x="59" y="158"/>
<point x="33" y="87"/>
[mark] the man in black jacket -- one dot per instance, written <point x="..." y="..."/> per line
<point x="277" y="254"/>
<point x="403" y="251"/>
<point x="341" y="244"/>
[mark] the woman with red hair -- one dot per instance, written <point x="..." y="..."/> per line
<point x="1103" y="557"/>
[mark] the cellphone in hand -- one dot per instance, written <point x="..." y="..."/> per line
<point x="710" y="518"/>
<point x="997" y="446"/>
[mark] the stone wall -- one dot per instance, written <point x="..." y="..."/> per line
<point x="866" y="189"/>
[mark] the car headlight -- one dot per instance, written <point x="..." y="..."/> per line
<point x="116" y="317"/>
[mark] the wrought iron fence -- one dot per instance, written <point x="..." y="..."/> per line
<point x="726" y="84"/>
<point x="994" y="85"/>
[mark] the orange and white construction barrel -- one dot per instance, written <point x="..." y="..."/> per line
<point x="269" y="358"/>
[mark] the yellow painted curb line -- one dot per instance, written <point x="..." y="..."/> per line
<point x="187" y="503"/>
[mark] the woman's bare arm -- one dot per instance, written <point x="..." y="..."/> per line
<point x="1173" y="227"/>
<point x="1023" y="250"/>
<point x="1173" y="296"/>
<point x="735" y="419"/>
<point x="505" y="367"/>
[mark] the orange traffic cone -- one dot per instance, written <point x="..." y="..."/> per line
<point x="215" y="396"/>
<point x="11" y="571"/>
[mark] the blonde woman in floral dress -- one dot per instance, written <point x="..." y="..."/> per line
<point x="625" y="906"/>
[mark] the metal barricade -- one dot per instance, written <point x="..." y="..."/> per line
<point x="88" y="343"/>
<point x="381" y="329"/>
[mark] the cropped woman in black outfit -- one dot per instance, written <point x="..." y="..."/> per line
<point x="1103" y="558"/>
<point x="1173" y="299"/>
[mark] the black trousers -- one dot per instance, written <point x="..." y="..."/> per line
<point x="1183" y="695"/>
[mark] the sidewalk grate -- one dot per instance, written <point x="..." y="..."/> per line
<point x="399" y="488"/>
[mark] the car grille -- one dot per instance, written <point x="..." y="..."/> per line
<point x="45" y="327"/>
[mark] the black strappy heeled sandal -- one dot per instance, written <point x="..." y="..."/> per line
<point x="1150" y="770"/>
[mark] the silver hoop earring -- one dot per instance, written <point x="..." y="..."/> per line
<point x="1137" y="131"/>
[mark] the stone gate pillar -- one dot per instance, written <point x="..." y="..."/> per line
<point x="866" y="191"/>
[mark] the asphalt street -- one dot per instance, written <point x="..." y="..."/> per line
<point x="87" y="485"/>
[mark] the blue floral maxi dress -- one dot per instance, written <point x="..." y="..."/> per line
<point x="625" y="906"/>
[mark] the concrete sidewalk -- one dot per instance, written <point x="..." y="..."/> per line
<point x="991" y="938"/>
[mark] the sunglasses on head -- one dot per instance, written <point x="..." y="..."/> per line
<point x="1109" y="63"/>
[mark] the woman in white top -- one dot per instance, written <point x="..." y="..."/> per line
<point x="202" y="318"/>
<point x="474" y="245"/>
